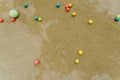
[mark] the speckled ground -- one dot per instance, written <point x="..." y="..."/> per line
<point x="56" y="40"/>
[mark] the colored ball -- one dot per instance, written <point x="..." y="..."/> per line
<point x="1" y="20"/>
<point x="90" y="22"/>
<point x="13" y="19"/>
<point x="66" y="6"/>
<point x="74" y="14"/>
<point x="118" y="16"/>
<point x="67" y="9"/>
<point x="36" y="18"/>
<point x="70" y="5"/>
<point x="25" y="5"/>
<point x="40" y="19"/>
<point x="80" y="52"/>
<point x="58" y="5"/>
<point x="36" y="62"/>
<point x="77" y="61"/>
<point x="13" y="13"/>
<point x="117" y="19"/>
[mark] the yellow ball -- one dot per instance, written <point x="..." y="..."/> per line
<point x="74" y="14"/>
<point x="70" y="5"/>
<point x="118" y="16"/>
<point x="90" y="22"/>
<point x="80" y="52"/>
<point x="77" y="61"/>
<point x="40" y="19"/>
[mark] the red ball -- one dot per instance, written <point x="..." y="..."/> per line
<point x="66" y="6"/>
<point x="13" y="19"/>
<point x="67" y="9"/>
<point x="36" y="62"/>
<point x="1" y="20"/>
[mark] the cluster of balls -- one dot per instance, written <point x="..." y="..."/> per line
<point x="13" y="14"/>
<point x="67" y="8"/>
<point x="117" y="18"/>
<point x="37" y="18"/>
<point x="80" y="52"/>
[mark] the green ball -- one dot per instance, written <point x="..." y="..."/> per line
<point x="25" y="5"/>
<point x="117" y="19"/>
<point x="36" y="18"/>
<point x="13" y="13"/>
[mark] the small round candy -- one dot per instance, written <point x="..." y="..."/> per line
<point x="36" y="18"/>
<point x="80" y="52"/>
<point x="90" y="21"/>
<point x="1" y="20"/>
<point x="77" y="61"/>
<point x="70" y="5"/>
<point x="25" y="5"/>
<point x="74" y="14"/>
<point x="66" y="6"/>
<point x="13" y="19"/>
<point x="13" y="13"/>
<point x="36" y="62"/>
<point x="118" y="16"/>
<point x="40" y="19"/>
<point x="67" y="9"/>
<point x="117" y="19"/>
<point x="57" y="5"/>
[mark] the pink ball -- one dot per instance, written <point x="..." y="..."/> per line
<point x="67" y="9"/>
<point x="13" y="19"/>
<point x="1" y="20"/>
<point x="66" y="6"/>
<point x="36" y="62"/>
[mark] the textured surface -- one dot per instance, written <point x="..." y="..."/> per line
<point x="57" y="38"/>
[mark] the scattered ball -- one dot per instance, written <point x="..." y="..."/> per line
<point x="25" y="5"/>
<point x="118" y="16"/>
<point x="40" y="19"/>
<point x="36" y="18"/>
<point x="70" y="5"/>
<point x="77" y="61"/>
<point x="117" y="19"/>
<point x="13" y="19"/>
<point x="36" y="62"/>
<point x="58" y="5"/>
<point x="80" y="52"/>
<point x="90" y="22"/>
<point x="1" y="20"/>
<point x="66" y="6"/>
<point x="13" y="13"/>
<point x="74" y="14"/>
<point x="67" y="9"/>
